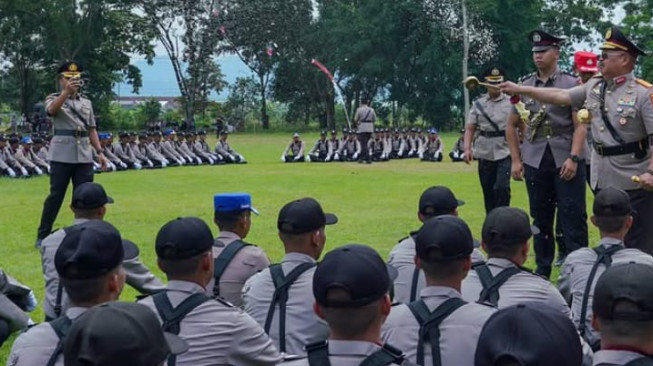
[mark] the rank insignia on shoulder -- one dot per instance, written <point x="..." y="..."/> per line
<point x="644" y="83"/>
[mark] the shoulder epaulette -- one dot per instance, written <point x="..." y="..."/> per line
<point x="644" y="83"/>
<point x="569" y="73"/>
<point x="526" y="77"/>
<point x="530" y="272"/>
<point x="598" y="75"/>
<point x="223" y="301"/>
<point x="402" y="239"/>
<point x="396" y="304"/>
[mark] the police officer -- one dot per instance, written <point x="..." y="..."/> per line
<point x="75" y="136"/>
<point x="229" y="155"/>
<point x="152" y="149"/>
<point x="15" y="300"/>
<point x="124" y="152"/>
<point x="432" y="149"/>
<point x="350" y="287"/>
<point x="217" y="332"/>
<point x="502" y="281"/>
<point x="622" y="315"/>
<point x="553" y="156"/>
<point x="119" y="333"/>
<point x="9" y="166"/>
<point x="106" y="141"/>
<point x="31" y="162"/>
<point x="397" y="145"/>
<point x="444" y="245"/>
<point x="487" y="118"/>
<point x="581" y="270"/>
<point x="301" y="225"/>
<point x="365" y="118"/>
<point x="621" y="113"/>
<point x="457" y="153"/>
<point x="514" y="336"/>
<point x="294" y="152"/>
<point x="88" y="262"/>
<point x="160" y="148"/>
<point x="88" y="204"/>
<point x="376" y="147"/>
<point x="322" y="149"/>
<point x="335" y="143"/>
<point x="168" y="147"/>
<point x="235" y="260"/>
<point x="434" y="201"/>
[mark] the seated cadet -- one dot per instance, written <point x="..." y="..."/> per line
<point x="88" y="262"/>
<point x="283" y="290"/>
<point x="335" y="143"/>
<point x="8" y="165"/>
<point x="40" y="148"/>
<point x="140" y="150"/>
<point x="119" y="333"/>
<point x="163" y="148"/>
<point x="168" y="148"/>
<point x="217" y="332"/>
<point x="88" y="204"/>
<point x="15" y="300"/>
<point x="432" y="149"/>
<point x="197" y="149"/>
<point x="114" y="163"/>
<point x="412" y="143"/>
<point x="623" y="315"/>
<point x="185" y="150"/>
<point x="434" y="201"/>
<point x="146" y="148"/>
<point x="322" y="149"/>
<point x="350" y="149"/>
<point x="350" y="288"/>
<point x="529" y="335"/>
<point x="502" y="281"/>
<point x="294" y="152"/>
<point x="376" y="146"/>
<point x="124" y="152"/>
<point x="444" y="246"/>
<point x="235" y="260"/>
<point x="23" y="153"/>
<point x="458" y="152"/>
<point x="397" y="146"/>
<point x="584" y="266"/>
<point x="229" y="155"/>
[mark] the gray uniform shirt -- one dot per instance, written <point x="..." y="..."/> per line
<point x="223" y="148"/>
<point x="217" y="333"/>
<point x="124" y="152"/>
<point x="490" y="148"/>
<point x="302" y="324"/>
<point x="365" y="118"/>
<point x="629" y="107"/>
<point x="615" y="357"/>
<point x="344" y="353"/>
<point x="7" y="156"/>
<point x="558" y="118"/>
<point x="69" y="149"/>
<point x="137" y="275"/>
<point x="520" y="288"/>
<point x="295" y="149"/>
<point x="576" y="270"/>
<point x="402" y="257"/>
<point x="37" y="345"/>
<point x="458" y="332"/>
<point x="24" y="157"/>
<point x="248" y="261"/>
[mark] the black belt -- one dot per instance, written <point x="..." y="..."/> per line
<point x="73" y="133"/>
<point x="548" y="131"/>
<point x="639" y="148"/>
<point x="492" y="133"/>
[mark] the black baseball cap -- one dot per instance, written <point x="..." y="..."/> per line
<point x="303" y="216"/>
<point x="438" y="200"/>
<point x="529" y="334"/>
<point x="183" y="238"/>
<point x="89" y="250"/>
<point x="90" y="195"/>
<point x="449" y="234"/>
<point x="612" y="202"/>
<point x="507" y="226"/>
<point x="632" y="282"/>
<point x="119" y="333"/>
<point x="357" y="269"/>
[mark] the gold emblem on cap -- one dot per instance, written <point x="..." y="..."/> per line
<point x="495" y="72"/>
<point x="72" y="67"/>
<point x="608" y="34"/>
<point x="537" y="37"/>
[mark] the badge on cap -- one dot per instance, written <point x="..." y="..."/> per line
<point x="537" y="37"/>
<point x="590" y="62"/>
<point x="495" y="72"/>
<point x="72" y="67"/>
<point x="608" y="34"/>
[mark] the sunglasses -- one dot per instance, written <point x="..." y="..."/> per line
<point x="607" y="55"/>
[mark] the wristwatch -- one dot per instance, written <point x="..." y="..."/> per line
<point x="574" y="158"/>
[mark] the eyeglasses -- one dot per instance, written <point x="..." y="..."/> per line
<point x="607" y="55"/>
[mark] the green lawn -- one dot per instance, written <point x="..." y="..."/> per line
<point x="376" y="204"/>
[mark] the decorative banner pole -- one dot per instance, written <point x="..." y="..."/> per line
<point x="323" y="68"/>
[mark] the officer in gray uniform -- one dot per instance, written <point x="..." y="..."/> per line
<point x="294" y="152"/>
<point x="217" y="332"/>
<point x="15" y="300"/>
<point x="235" y="260"/>
<point x="119" y="333"/>
<point x="283" y="291"/>
<point x="106" y="141"/>
<point x="322" y="150"/>
<point x="350" y="287"/>
<point x="88" y="204"/>
<point x="623" y="300"/>
<point x="457" y="153"/>
<point x="376" y="146"/>
<point x="168" y="148"/>
<point x="434" y="201"/>
<point x="9" y="166"/>
<point x="158" y="146"/>
<point x="350" y="149"/>
<point x="620" y="108"/>
<point x="529" y="334"/>
<point x="581" y="270"/>
<point x="75" y="136"/>
<point x="147" y="148"/>
<point x="123" y="150"/>
<point x="502" y="281"/>
<point x="335" y="143"/>
<point x="140" y="150"/>
<point x="487" y="119"/>
<point x="553" y="154"/>
<point x="88" y="262"/>
<point x="432" y="149"/>
<point x="229" y="155"/>
<point x="444" y="245"/>
<point x="365" y="118"/>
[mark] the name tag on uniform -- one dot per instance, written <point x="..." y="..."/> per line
<point x="627" y="100"/>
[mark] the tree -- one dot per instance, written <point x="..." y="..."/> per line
<point x="243" y="98"/>
<point x="151" y="111"/>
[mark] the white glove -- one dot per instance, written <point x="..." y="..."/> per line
<point x="199" y="161"/>
<point x="48" y="169"/>
<point x="112" y="167"/>
<point x="24" y="171"/>
<point x="336" y="157"/>
<point x="138" y="166"/>
<point x="164" y="163"/>
<point x="421" y="155"/>
<point x="231" y="158"/>
<point x="355" y="157"/>
<point x="31" y="302"/>
<point x="308" y="158"/>
<point x="38" y="170"/>
<point x="400" y="154"/>
<point x="242" y="158"/>
<point x="11" y="172"/>
<point x="211" y="161"/>
<point x="297" y="158"/>
<point x="149" y="163"/>
<point x="328" y="159"/>
<point x="180" y="162"/>
<point x="283" y="158"/>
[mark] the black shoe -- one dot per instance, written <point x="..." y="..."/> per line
<point x="37" y="244"/>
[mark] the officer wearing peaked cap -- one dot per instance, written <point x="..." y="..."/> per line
<point x="551" y="158"/>
<point x="620" y="110"/>
<point x="75" y="137"/>
<point x="322" y="150"/>
<point x="487" y="118"/>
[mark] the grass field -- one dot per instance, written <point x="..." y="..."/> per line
<point x="376" y="204"/>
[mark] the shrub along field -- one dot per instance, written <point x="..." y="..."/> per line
<point x="375" y="204"/>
